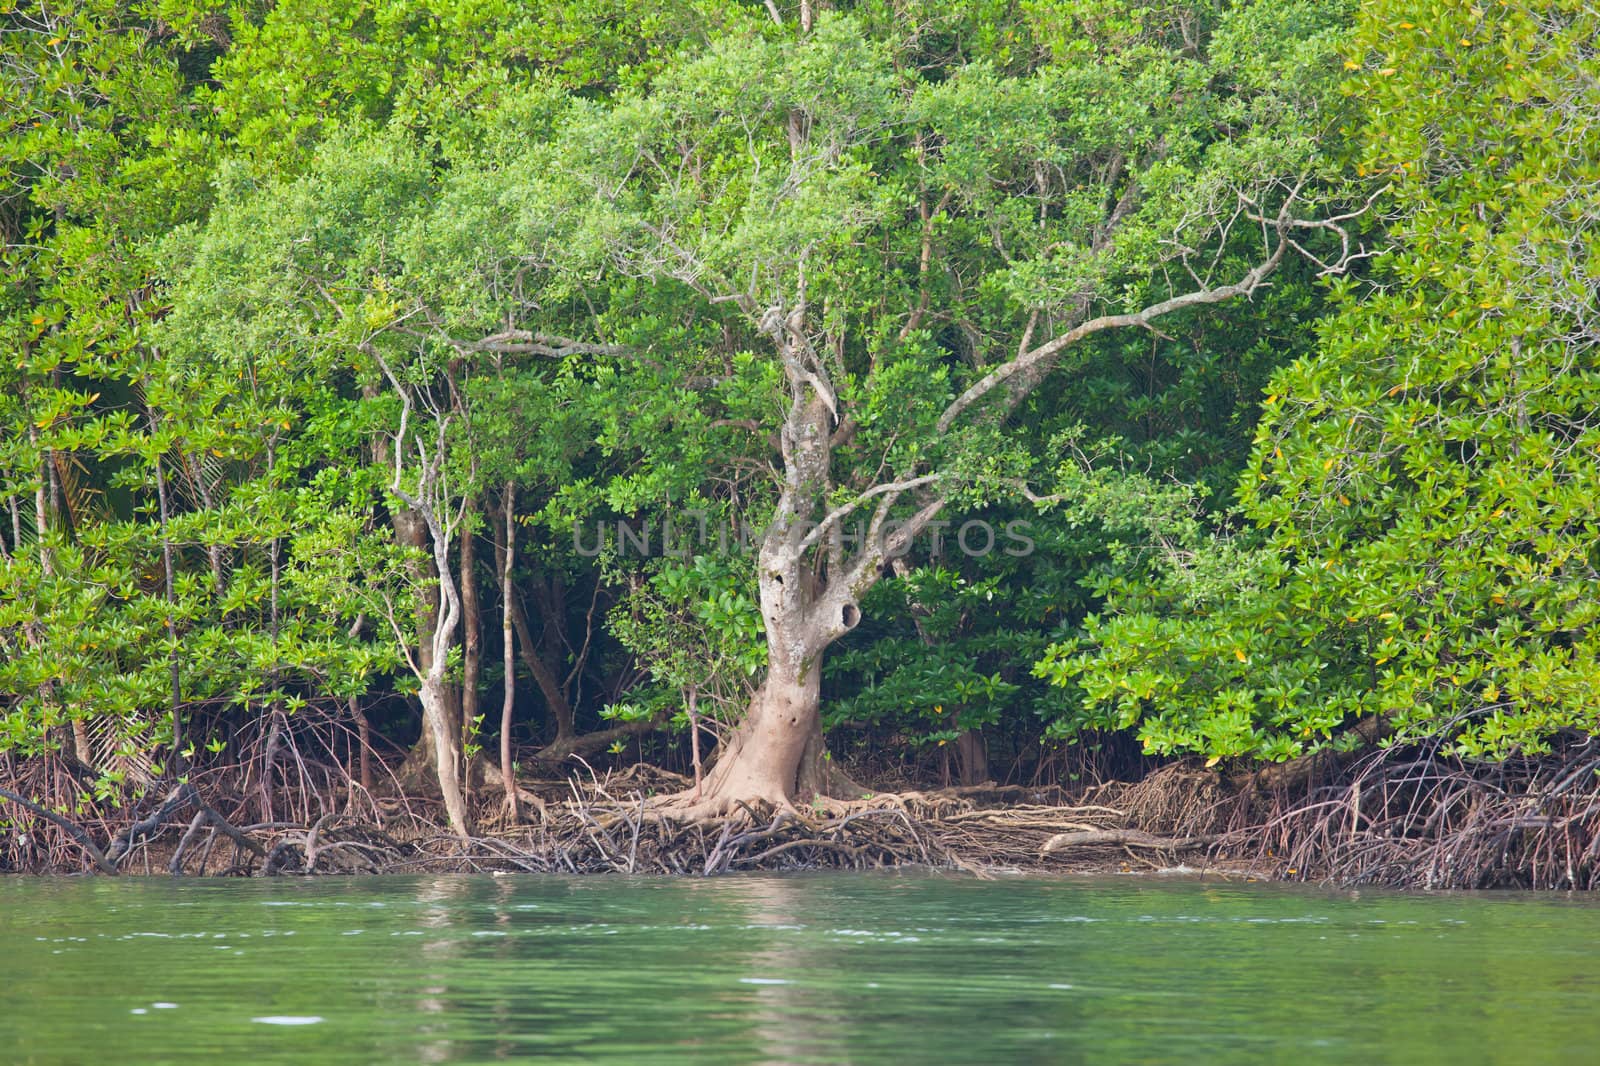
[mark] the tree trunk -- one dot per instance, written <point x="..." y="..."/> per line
<point x="694" y="741"/>
<point x="439" y="726"/>
<point x="439" y="746"/>
<point x="810" y="593"/>
<point x="80" y="743"/>
<point x="412" y="532"/>
<point x="507" y="559"/>
<point x="776" y="755"/>
<point x="544" y="675"/>
<point x="972" y="758"/>
<point x="763" y="759"/>
<point x="364" y="739"/>
<point x="472" y="630"/>
<point x="426" y="521"/>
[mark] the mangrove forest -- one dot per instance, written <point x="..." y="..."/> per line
<point x="688" y="436"/>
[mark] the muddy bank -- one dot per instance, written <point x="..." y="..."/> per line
<point x="1411" y="817"/>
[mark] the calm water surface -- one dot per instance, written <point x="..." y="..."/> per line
<point x="824" y="968"/>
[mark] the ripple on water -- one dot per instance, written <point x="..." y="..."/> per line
<point x="1170" y="972"/>
<point x="288" y="1019"/>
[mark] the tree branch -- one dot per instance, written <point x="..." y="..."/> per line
<point x="893" y="488"/>
<point x="1043" y="356"/>
<point x="527" y="342"/>
<point x="72" y="829"/>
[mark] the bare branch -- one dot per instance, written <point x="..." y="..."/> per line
<point x="894" y="490"/>
<point x="897" y="542"/>
<point x="1042" y="357"/>
<point x="527" y="342"/>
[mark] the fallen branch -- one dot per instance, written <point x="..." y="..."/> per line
<point x="73" y="829"/>
<point x="1132" y="838"/>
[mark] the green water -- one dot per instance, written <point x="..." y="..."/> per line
<point x="824" y="968"/>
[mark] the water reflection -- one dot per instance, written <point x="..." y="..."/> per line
<point x="786" y="970"/>
<point x="440" y="900"/>
<point x="782" y="1019"/>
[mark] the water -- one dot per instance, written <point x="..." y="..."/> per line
<point x="769" y="969"/>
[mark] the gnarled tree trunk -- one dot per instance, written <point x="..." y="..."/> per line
<point x="763" y="759"/>
<point x="776" y="755"/>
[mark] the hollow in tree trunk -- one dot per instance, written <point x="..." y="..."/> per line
<point x="776" y="754"/>
<point x="810" y="597"/>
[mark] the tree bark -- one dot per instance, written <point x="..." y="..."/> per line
<point x="472" y="629"/>
<point x="438" y="725"/>
<point x="972" y="758"/>
<point x="589" y="743"/>
<point x="776" y="754"/>
<point x="364" y="739"/>
<point x="762" y="760"/>
<point x="508" y="656"/>
<point x="410" y="531"/>
<point x="428" y="517"/>
<point x="694" y="741"/>
<point x="80" y="743"/>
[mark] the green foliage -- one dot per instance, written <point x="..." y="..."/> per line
<point x="1421" y="493"/>
<point x="695" y="626"/>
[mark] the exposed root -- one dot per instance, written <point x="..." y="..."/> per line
<point x="1408" y="817"/>
<point x="611" y="825"/>
<point x="72" y="829"/>
<point x="1179" y="800"/>
<point x="1416" y="817"/>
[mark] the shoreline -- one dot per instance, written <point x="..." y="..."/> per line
<point x="1400" y="817"/>
<point x="607" y="826"/>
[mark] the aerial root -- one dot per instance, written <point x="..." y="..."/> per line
<point x="1412" y="816"/>
<point x="1417" y="816"/>
<point x="621" y="824"/>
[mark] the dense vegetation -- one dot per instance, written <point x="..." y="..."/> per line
<point x="1017" y="380"/>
